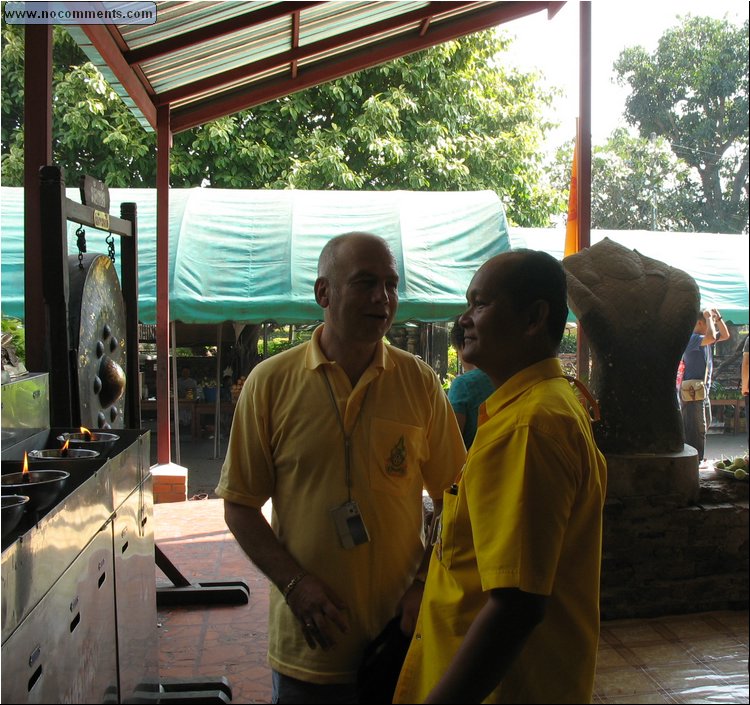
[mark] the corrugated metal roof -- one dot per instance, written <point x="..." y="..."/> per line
<point x="209" y="59"/>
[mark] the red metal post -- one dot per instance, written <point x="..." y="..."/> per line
<point x="584" y="97"/>
<point x="163" y="145"/>
<point x="37" y="153"/>
<point x="584" y="166"/>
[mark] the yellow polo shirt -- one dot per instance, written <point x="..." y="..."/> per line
<point x="528" y="515"/>
<point x="286" y="444"/>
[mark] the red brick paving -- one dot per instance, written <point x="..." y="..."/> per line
<point x="209" y="641"/>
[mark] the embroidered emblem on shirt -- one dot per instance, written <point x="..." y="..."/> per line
<point x="396" y="464"/>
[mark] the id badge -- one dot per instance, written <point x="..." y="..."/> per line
<point x="350" y="525"/>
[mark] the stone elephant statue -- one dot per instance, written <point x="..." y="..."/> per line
<point x="638" y="314"/>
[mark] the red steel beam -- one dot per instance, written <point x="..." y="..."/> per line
<point x="583" y="355"/>
<point x="109" y="50"/>
<point x="163" y="145"/>
<point x="584" y="99"/>
<point x="37" y="121"/>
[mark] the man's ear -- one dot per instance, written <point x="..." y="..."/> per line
<point x="538" y="313"/>
<point x="322" y="292"/>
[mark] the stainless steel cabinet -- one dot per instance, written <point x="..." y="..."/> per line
<point x="64" y="650"/>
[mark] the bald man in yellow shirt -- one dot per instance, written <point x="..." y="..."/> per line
<point x="342" y="433"/>
<point x="510" y="612"/>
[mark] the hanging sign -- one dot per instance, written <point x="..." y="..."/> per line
<point x="94" y="193"/>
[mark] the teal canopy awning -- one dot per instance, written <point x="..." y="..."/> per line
<point x="717" y="261"/>
<point x="251" y="255"/>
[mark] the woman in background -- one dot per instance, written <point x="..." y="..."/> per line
<point x="468" y="390"/>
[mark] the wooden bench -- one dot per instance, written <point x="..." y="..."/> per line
<point x="199" y="408"/>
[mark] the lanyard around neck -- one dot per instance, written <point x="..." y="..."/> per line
<point x="347" y="437"/>
<point x="594" y="415"/>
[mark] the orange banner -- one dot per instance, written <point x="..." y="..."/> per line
<point x="572" y="230"/>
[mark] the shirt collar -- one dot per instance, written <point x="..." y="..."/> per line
<point x="520" y="382"/>
<point x="315" y="357"/>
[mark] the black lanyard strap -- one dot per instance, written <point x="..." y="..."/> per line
<point x="347" y="437"/>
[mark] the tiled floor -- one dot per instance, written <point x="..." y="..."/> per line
<point x="698" y="658"/>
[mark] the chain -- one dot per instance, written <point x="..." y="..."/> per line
<point x="81" y="243"/>
<point x="111" y="247"/>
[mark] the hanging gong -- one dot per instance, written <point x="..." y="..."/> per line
<point x="97" y="336"/>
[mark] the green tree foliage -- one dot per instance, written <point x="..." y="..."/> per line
<point x="93" y="132"/>
<point x="693" y="92"/>
<point x="636" y="184"/>
<point x="448" y="118"/>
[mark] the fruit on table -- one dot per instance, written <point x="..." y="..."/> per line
<point x="738" y="466"/>
<point x="732" y="463"/>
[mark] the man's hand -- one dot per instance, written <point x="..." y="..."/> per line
<point x="409" y="607"/>
<point x="711" y="326"/>
<point x="319" y="610"/>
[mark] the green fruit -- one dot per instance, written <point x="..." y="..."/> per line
<point x="740" y="474"/>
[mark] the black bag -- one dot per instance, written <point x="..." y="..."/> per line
<point x="381" y="664"/>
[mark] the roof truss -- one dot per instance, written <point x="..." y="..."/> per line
<point x="210" y="65"/>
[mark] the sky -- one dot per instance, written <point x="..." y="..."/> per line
<point x="616" y="24"/>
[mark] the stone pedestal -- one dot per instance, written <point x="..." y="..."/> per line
<point x="675" y="540"/>
<point x="674" y="475"/>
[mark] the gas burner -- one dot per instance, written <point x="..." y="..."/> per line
<point x="14" y="505"/>
<point x="42" y="487"/>
<point x="90" y="440"/>
<point x="61" y="455"/>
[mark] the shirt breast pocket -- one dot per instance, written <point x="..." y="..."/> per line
<point x="446" y="529"/>
<point x="396" y="453"/>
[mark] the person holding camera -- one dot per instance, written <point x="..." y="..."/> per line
<point x="695" y="388"/>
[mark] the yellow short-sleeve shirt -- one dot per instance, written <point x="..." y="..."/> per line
<point x="527" y="515"/>
<point x="286" y="444"/>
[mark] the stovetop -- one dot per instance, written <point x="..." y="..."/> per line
<point x="80" y="469"/>
<point x="44" y="544"/>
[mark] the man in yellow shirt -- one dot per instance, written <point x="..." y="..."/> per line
<point x="510" y="611"/>
<point x="342" y="433"/>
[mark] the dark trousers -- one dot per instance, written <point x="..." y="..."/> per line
<point x="696" y="418"/>
<point x="290" y="690"/>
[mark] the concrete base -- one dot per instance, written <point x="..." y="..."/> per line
<point x="653" y="475"/>
<point x="170" y="482"/>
